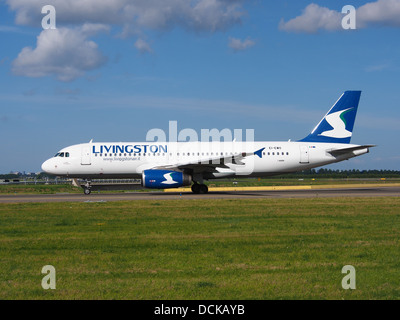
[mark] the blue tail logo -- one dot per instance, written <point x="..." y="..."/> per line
<point x="338" y="122"/>
<point x="337" y="125"/>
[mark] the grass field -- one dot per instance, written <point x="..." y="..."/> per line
<point x="196" y="249"/>
<point x="38" y="189"/>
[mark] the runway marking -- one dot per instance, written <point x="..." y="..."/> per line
<point x="271" y="188"/>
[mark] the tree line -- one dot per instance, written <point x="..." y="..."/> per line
<point x="343" y="174"/>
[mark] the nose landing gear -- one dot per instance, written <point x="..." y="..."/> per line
<point x="87" y="188"/>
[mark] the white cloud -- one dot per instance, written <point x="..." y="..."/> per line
<point x="64" y="53"/>
<point x="142" y="46"/>
<point x="28" y="12"/>
<point x="378" y="67"/>
<point x="239" y="45"/>
<point x="315" y="18"/>
<point x="90" y="29"/>
<point x="381" y="12"/>
<point x="76" y="54"/>
<point x="195" y="15"/>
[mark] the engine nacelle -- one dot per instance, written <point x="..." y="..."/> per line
<point x="163" y="179"/>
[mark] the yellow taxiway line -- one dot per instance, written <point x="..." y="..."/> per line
<point x="309" y="187"/>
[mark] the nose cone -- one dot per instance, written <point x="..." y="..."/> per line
<point x="46" y="166"/>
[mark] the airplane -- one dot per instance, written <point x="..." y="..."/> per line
<point x="162" y="165"/>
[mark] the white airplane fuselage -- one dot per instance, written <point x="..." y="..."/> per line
<point x="92" y="160"/>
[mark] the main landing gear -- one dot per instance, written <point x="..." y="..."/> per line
<point x="87" y="188"/>
<point x="199" y="188"/>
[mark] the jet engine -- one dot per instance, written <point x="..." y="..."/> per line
<point x="163" y="179"/>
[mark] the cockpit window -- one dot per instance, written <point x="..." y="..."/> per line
<point x="62" y="154"/>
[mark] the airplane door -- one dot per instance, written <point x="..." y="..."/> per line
<point x="86" y="155"/>
<point x="304" y="155"/>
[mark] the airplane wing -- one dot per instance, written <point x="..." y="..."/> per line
<point x="210" y="164"/>
<point x="338" y="152"/>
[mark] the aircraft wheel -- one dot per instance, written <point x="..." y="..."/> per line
<point x="203" y="189"/>
<point x="196" y="188"/>
<point x="87" y="191"/>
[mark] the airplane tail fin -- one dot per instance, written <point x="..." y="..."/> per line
<point x="337" y="125"/>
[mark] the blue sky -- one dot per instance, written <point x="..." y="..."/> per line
<point x="114" y="70"/>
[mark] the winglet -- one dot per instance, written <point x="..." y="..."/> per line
<point x="259" y="152"/>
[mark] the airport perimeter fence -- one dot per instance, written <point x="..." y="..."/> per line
<point x="67" y="181"/>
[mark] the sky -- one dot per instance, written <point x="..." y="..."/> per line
<point x="111" y="70"/>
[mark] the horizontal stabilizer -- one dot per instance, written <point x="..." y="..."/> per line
<point x="338" y="152"/>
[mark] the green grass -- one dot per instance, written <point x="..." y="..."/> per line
<point x="38" y="189"/>
<point x="196" y="249"/>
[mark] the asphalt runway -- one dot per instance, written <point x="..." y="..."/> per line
<point x="269" y="194"/>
